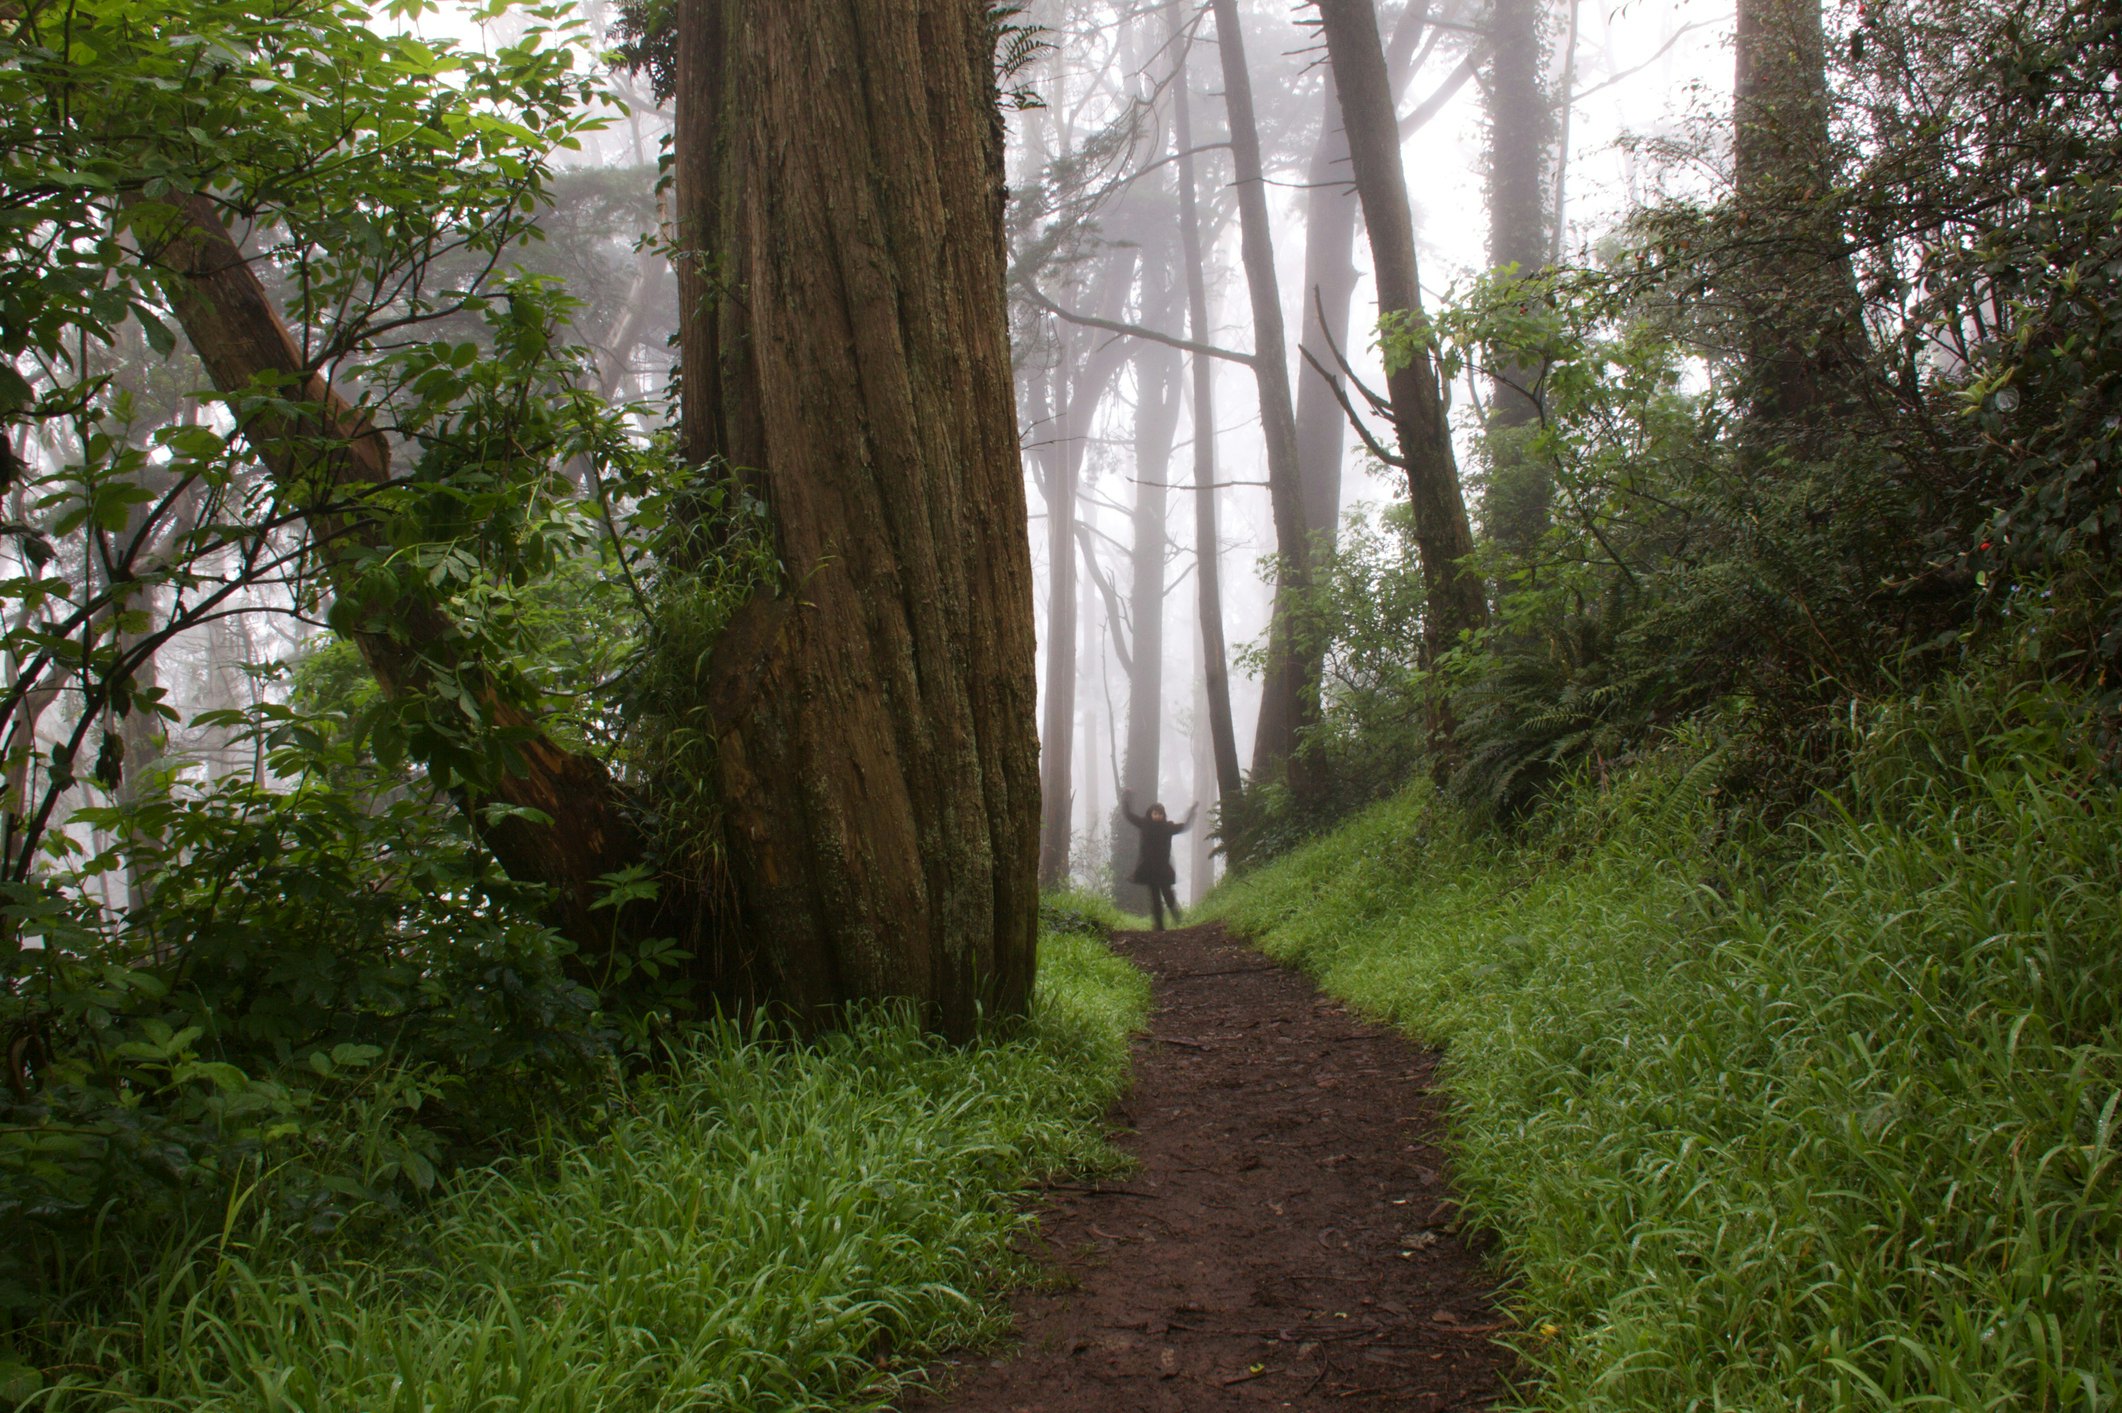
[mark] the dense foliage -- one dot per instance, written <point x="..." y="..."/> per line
<point x="1660" y="551"/>
<point x="760" y="1226"/>
<point x="1818" y="1116"/>
<point x="260" y="948"/>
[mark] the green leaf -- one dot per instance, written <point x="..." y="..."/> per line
<point x="15" y="391"/>
<point x="158" y="334"/>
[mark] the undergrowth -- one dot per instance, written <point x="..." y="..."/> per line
<point x="1820" y="1117"/>
<point x="766" y="1226"/>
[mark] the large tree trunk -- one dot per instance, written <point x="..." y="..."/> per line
<point x="1289" y="693"/>
<point x="1800" y="319"/>
<point x="875" y="719"/>
<point x="328" y="457"/>
<point x="1208" y="573"/>
<point x="1443" y="538"/>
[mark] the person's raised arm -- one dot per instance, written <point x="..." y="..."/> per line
<point x="1188" y="822"/>
<point x="1127" y="807"/>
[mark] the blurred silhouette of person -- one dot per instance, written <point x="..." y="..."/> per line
<point x="1153" y="861"/>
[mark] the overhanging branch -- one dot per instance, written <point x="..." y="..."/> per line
<point x="1115" y="326"/>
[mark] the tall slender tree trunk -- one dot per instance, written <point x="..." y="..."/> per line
<point x="1208" y="573"/>
<point x="1157" y="398"/>
<point x="1329" y="290"/>
<point x="1057" y="726"/>
<point x="1289" y="693"/>
<point x="1801" y="321"/>
<point x="1330" y="212"/>
<point x="1089" y="362"/>
<point x="1520" y="131"/>
<point x="875" y="742"/>
<point x="1201" y="851"/>
<point x="1092" y="714"/>
<point x="1457" y="602"/>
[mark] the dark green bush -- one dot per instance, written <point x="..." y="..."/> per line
<point x="328" y="991"/>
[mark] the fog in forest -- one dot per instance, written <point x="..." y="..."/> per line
<point x="1093" y="170"/>
<point x="595" y="596"/>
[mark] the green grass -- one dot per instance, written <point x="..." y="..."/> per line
<point x="1078" y="912"/>
<point x="1819" y="1118"/>
<point x="771" y="1227"/>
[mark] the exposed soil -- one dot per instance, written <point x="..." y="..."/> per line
<point x="1287" y="1240"/>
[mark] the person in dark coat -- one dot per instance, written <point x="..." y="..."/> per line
<point x="1153" y="862"/>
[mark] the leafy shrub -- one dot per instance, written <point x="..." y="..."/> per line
<point x="326" y="980"/>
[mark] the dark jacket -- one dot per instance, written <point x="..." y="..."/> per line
<point x="1153" y="864"/>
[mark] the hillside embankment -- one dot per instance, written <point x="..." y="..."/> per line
<point x="1819" y="1114"/>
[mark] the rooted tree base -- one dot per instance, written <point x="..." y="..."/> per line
<point x="1287" y="1241"/>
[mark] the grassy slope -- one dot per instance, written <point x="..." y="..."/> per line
<point x="774" y="1228"/>
<point x="1820" y="1120"/>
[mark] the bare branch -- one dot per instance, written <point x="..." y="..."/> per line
<point x="1457" y="79"/>
<point x="1092" y="321"/>
<point x="1354" y="418"/>
<point x="1113" y="613"/>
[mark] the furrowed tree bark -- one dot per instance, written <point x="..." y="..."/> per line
<point x="1801" y="321"/>
<point x="1457" y="602"/>
<point x="1289" y="693"/>
<point x="328" y="457"/>
<point x="876" y="748"/>
<point x="1208" y="573"/>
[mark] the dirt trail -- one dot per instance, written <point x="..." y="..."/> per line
<point x="1283" y="1243"/>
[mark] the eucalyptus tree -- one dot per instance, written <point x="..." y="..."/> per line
<point x="1068" y="388"/>
<point x="1158" y="395"/>
<point x="1331" y="209"/>
<point x="1329" y="291"/>
<point x="1208" y="575"/>
<point x="1456" y="601"/>
<point x="1289" y="692"/>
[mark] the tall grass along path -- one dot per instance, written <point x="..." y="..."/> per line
<point x="1287" y="1240"/>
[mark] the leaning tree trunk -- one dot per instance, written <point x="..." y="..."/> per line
<point x="568" y="826"/>
<point x="1208" y="573"/>
<point x="876" y="750"/>
<point x="1330" y="211"/>
<point x="1289" y="692"/>
<point x="1801" y="323"/>
<point x="1443" y="538"/>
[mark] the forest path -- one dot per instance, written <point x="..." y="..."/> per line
<point x="1283" y="1243"/>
